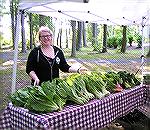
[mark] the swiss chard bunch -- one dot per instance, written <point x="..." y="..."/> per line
<point x="48" y="97"/>
<point x="54" y="92"/>
<point x="129" y="79"/>
<point x="91" y="86"/>
<point x="72" y="94"/>
<point x="20" y="97"/>
<point x="39" y="101"/>
<point x="81" y="88"/>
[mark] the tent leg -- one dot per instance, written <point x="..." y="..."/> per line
<point x="142" y="56"/>
<point x="16" y="41"/>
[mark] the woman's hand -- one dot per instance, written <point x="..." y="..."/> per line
<point x="82" y="70"/>
<point x="34" y="77"/>
<point x="78" y="68"/>
<point x="36" y="82"/>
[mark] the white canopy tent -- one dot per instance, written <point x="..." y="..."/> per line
<point x="121" y="12"/>
<point x="110" y="12"/>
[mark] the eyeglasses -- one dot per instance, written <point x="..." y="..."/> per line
<point x="46" y="36"/>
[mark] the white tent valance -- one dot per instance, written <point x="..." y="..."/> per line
<point x="119" y="12"/>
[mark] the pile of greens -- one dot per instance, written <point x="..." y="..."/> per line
<point x="76" y="88"/>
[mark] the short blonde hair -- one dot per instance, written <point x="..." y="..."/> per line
<point x="44" y="29"/>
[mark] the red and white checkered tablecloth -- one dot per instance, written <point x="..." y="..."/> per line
<point x="93" y="115"/>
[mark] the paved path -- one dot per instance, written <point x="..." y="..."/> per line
<point x="8" y="56"/>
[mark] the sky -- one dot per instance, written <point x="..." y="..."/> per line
<point x="6" y="21"/>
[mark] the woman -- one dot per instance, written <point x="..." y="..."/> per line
<point x="44" y="61"/>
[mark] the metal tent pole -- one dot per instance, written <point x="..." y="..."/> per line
<point x="142" y="56"/>
<point x="16" y="41"/>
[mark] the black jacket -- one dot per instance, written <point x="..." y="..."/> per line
<point x="45" y="67"/>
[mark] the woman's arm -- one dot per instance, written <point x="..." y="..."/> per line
<point x="31" y="66"/>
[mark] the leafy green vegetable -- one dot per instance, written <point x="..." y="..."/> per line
<point x="20" y="97"/>
<point x="55" y="93"/>
<point x="72" y="93"/>
<point x="77" y="88"/>
<point x="91" y="86"/>
<point x="81" y="89"/>
<point x="40" y="102"/>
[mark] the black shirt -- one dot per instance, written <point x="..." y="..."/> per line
<point x="46" y="68"/>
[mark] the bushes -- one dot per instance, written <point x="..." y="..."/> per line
<point x="130" y="39"/>
<point x="114" y="41"/>
<point x="139" y="40"/>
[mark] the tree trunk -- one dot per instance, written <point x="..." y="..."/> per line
<point x="84" y="35"/>
<point x="31" y="31"/>
<point x="79" y="36"/>
<point x="13" y="10"/>
<point x="73" y="52"/>
<point x="60" y="37"/>
<point x="12" y="22"/>
<point x="23" y="33"/>
<point x="124" y="39"/>
<point x="104" y="39"/>
<point x="66" y="38"/>
<point x="94" y="32"/>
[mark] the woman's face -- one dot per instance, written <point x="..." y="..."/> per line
<point x="45" y="38"/>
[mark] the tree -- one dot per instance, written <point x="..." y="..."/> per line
<point x="46" y="21"/>
<point x="67" y="38"/>
<point x="31" y="30"/>
<point x="35" y="27"/>
<point x="35" y="21"/>
<point x="124" y="40"/>
<point x="84" y="35"/>
<point x="79" y="36"/>
<point x="94" y="32"/>
<point x="60" y="37"/>
<point x="42" y="21"/>
<point x="130" y="34"/>
<point x="23" y="32"/>
<point x="73" y="25"/>
<point x="104" y="39"/>
<point x="13" y="10"/>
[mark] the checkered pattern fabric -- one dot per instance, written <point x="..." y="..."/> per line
<point x="145" y="108"/>
<point x="93" y="115"/>
<point x="147" y="95"/>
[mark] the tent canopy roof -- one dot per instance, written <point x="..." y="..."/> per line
<point x="119" y="12"/>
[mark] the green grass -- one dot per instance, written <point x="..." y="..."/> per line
<point x="88" y="53"/>
<point x="6" y="82"/>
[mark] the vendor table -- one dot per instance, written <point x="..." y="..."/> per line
<point x="93" y="115"/>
